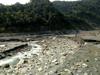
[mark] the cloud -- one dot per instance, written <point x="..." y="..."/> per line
<point x="9" y="2"/>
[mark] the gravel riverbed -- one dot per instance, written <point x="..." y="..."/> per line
<point x="55" y="55"/>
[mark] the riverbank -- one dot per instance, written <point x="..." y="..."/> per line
<point x="56" y="55"/>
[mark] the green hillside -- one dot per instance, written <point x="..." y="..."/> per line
<point x="34" y="16"/>
<point x="42" y="15"/>
<point x="86" y="10"/>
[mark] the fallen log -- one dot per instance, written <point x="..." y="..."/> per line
<point x="12" y="51"/>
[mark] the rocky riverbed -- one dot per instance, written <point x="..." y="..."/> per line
<point x="54" y="55"/>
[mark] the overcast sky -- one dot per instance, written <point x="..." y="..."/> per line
<point x="24" y="1"/>
<point x="13" y="1"/>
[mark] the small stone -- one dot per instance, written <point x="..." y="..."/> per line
<point x="40" y="69"/>
<point x="85" y="73"/>
<point x="55" y="60"/>
<point x="28" y="39"/>
<point x="35" y="46"/>
<point x="7" y="66"/>
<point x="53" y="38"/>
<point x="64" y="54"/>
<point x="25" y="61"/>
<point x="2" y="46"/>
<point x="96" y="59"/>
<point x="68" y="71"/>
<point x="87" y="60"/>
<point x="43" y="41"/>
<point x="57" y="63"/>
<point x="84" y="65"/>
<point x="51" y="72"/>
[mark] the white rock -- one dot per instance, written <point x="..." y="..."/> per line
<point x="55" y="60"/>
<point x="85" y="73"/>
<point x="2" y="46"/>
<point x="84" y="65"/>
<point x="40" y="69"/>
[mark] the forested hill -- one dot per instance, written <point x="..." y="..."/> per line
<point x="37" y="15"/>
<point x="86" y="10"/>
<point x="41" y="15"/>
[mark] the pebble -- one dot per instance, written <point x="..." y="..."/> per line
<point x="40" y="69"/>
<point x="2" y="46"/>
<point x="84" y="65"/>
<point x="55" y="60"/>
<point x="96" y="59"/>
<point x="85" y="73"/>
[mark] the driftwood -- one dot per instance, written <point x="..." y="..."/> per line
<point x="91" y="40"/>
<point x="11" y="51"/>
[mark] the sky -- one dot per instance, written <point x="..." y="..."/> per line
<point x="9" y="2"/>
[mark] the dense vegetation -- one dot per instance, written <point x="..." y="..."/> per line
<point x="41" y="15"/>
<point x="87" y="11"/>
<point x="37" y="15"/>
